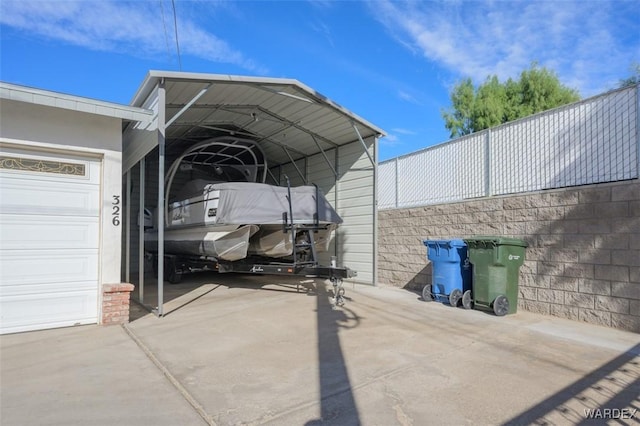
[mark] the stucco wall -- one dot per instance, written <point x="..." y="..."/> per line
<point x="38" y="127"/>
<point x="583" y="260"/>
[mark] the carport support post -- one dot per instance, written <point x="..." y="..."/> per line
<point x="127" y="228"/>
<point x="161" y="141"/>
<point x="374" y="270"/>
<point x="336" y="198"/>
<point x="141" y="231"/>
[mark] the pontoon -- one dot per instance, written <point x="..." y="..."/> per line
<point x="217" y="205"/>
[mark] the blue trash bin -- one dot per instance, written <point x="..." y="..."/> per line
<point x="451" y="275"/>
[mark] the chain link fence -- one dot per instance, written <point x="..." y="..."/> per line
<point x="593" y="141"/>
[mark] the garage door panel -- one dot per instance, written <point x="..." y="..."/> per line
<point x="47" y="310"/>
<point x="41" y="166"/>
<point x="32" y="197"/>
<point x="62" y="271"/>
<point x="34" y="288"/>
<point x="51" y="232"/>
<point x="49" y="240"/>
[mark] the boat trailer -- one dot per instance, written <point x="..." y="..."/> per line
<point x="304" y="258"/>
<point x="176" y="266"/>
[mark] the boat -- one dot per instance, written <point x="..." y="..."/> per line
<point x="218" y="206"/>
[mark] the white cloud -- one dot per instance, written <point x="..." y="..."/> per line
<point x="134" y="28"/>
<point x="322" y="4"/>
<point x="390" y="140"/>
<point x="589" y="44"/>
<point x="405" y="96"/>
<point x="324" y="31"/>
<point x="404" y="131"/>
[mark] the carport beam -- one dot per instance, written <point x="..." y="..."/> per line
<point x="273" y="177"/>
<point x="188" y="105"/>
<point x="364" y="145"/>
<point x="324" y="154"/>
<point x="294" y="164"/>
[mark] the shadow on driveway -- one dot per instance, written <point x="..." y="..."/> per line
<point x="336" y="399"/>
<point x="337" y="403"/>
<point x="610" y="392"/>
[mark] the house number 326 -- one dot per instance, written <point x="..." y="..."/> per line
<point x="115" y="213"/>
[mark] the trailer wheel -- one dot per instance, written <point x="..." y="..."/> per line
<point x="171" y="270"/>
<point x="175" y="277"/>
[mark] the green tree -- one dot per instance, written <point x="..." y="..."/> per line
<point x="633" y="79"/>
<point x="463" y="100"/>
<point x="493" y="103"/>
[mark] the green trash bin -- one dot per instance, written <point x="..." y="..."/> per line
<point x="496" y="266"/>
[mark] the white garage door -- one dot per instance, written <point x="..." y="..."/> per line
<point x="49" y="240"/>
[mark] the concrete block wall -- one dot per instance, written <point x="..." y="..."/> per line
<point x="583" y="259"/>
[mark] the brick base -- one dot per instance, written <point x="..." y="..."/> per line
<point x="115" y="303"/>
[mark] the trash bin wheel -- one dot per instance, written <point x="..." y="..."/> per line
<point x="454" y="297"/>
<point x="427" y="296"/>
<point x="466" y="300"/>
<point x="501" y="305"/>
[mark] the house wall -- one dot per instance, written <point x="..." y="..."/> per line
<point x="583" y="259"/>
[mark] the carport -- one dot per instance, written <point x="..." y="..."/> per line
<point x="305" y="137"/>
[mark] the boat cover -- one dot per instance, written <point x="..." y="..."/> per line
<point x="258" y="203"/>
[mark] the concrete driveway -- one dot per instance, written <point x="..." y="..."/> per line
<point x="258" y="350"/>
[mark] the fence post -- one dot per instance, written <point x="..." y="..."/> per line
<point x="638" y="130"/>
<point x="487" y="165"/>
<point x="396" y="181"/>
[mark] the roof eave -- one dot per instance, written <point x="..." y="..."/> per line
<point x="48" y="98"/>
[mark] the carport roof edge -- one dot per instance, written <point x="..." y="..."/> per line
<point x="154" y="76"/>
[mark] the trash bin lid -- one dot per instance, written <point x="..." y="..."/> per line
<point x="449" y="243"/>
<point x="498" y="241"/>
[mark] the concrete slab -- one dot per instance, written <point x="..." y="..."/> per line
<point x="261" y="350"/>
<point x="85" y="375"/>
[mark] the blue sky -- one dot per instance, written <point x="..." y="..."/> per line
<point x="393" y="63"/>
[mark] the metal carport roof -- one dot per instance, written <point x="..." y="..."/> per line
<point x="291" y="119"/>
